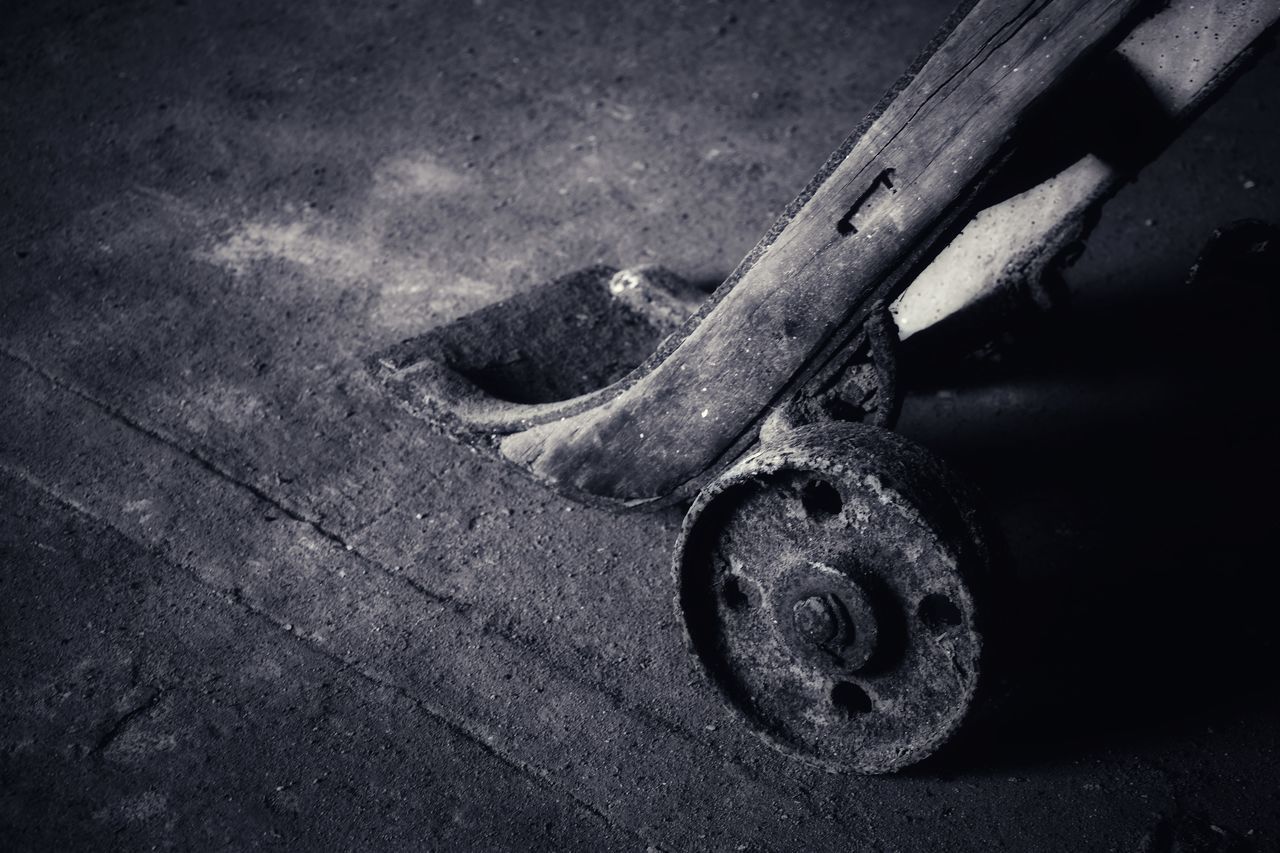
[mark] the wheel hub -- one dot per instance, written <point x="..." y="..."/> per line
<point x="826" y="587"/>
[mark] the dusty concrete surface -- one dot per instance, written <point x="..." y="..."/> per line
<point x="231" y="568"/>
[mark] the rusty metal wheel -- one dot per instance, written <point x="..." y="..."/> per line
<point x="828" y="587"/>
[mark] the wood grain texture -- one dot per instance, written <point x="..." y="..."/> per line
<point x="1183" y="54"/>
<point x="933" y="143"/>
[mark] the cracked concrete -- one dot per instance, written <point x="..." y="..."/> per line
<point x="202" y="764"/>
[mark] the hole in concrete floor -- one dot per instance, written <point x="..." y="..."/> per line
<point x="821" y="500"/>
<point x="850" y="699"/>
<point x="733" y="593"/>
<point x="938" y="613"/>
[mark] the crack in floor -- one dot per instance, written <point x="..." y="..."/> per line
<point x="531" y="771"/>
<point x="461" y="609"/>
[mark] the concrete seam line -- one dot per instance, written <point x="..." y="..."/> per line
<point x="537" y="774"/>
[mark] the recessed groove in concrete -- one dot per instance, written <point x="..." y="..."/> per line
<point x="342" y="606"/>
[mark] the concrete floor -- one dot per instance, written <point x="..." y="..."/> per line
<point x="245" y="602"/>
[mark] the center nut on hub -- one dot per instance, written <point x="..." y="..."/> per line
<point x="821" y="620"/>
<point x="824" y="587"/>
<point x="827" y="619"/>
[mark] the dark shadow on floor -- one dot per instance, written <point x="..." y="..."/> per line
<point x="1135" y="482"/>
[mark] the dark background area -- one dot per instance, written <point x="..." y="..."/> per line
<point x="245" y="602"/>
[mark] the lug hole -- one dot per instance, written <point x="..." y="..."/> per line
<point x="821" y="500"/>
<point x="938" y="613"/>
<point x="850" y="699"/>
<point x="734" y="594"/>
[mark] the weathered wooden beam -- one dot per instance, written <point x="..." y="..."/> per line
<point x="891" y="194"/>
<point x="1183" y="54"/>
<point x="788" y="330"/>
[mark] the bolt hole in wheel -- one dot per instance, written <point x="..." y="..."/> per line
<point x="734" y="594"/>
<point x="938" y="613"/>
<point x="849" y="699"/>
<point x="847" y="639"/>
<point x="821" y="500"/>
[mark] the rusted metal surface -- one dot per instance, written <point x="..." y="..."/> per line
<point x="830" y="587"/>
<point x="537" y="357"/>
